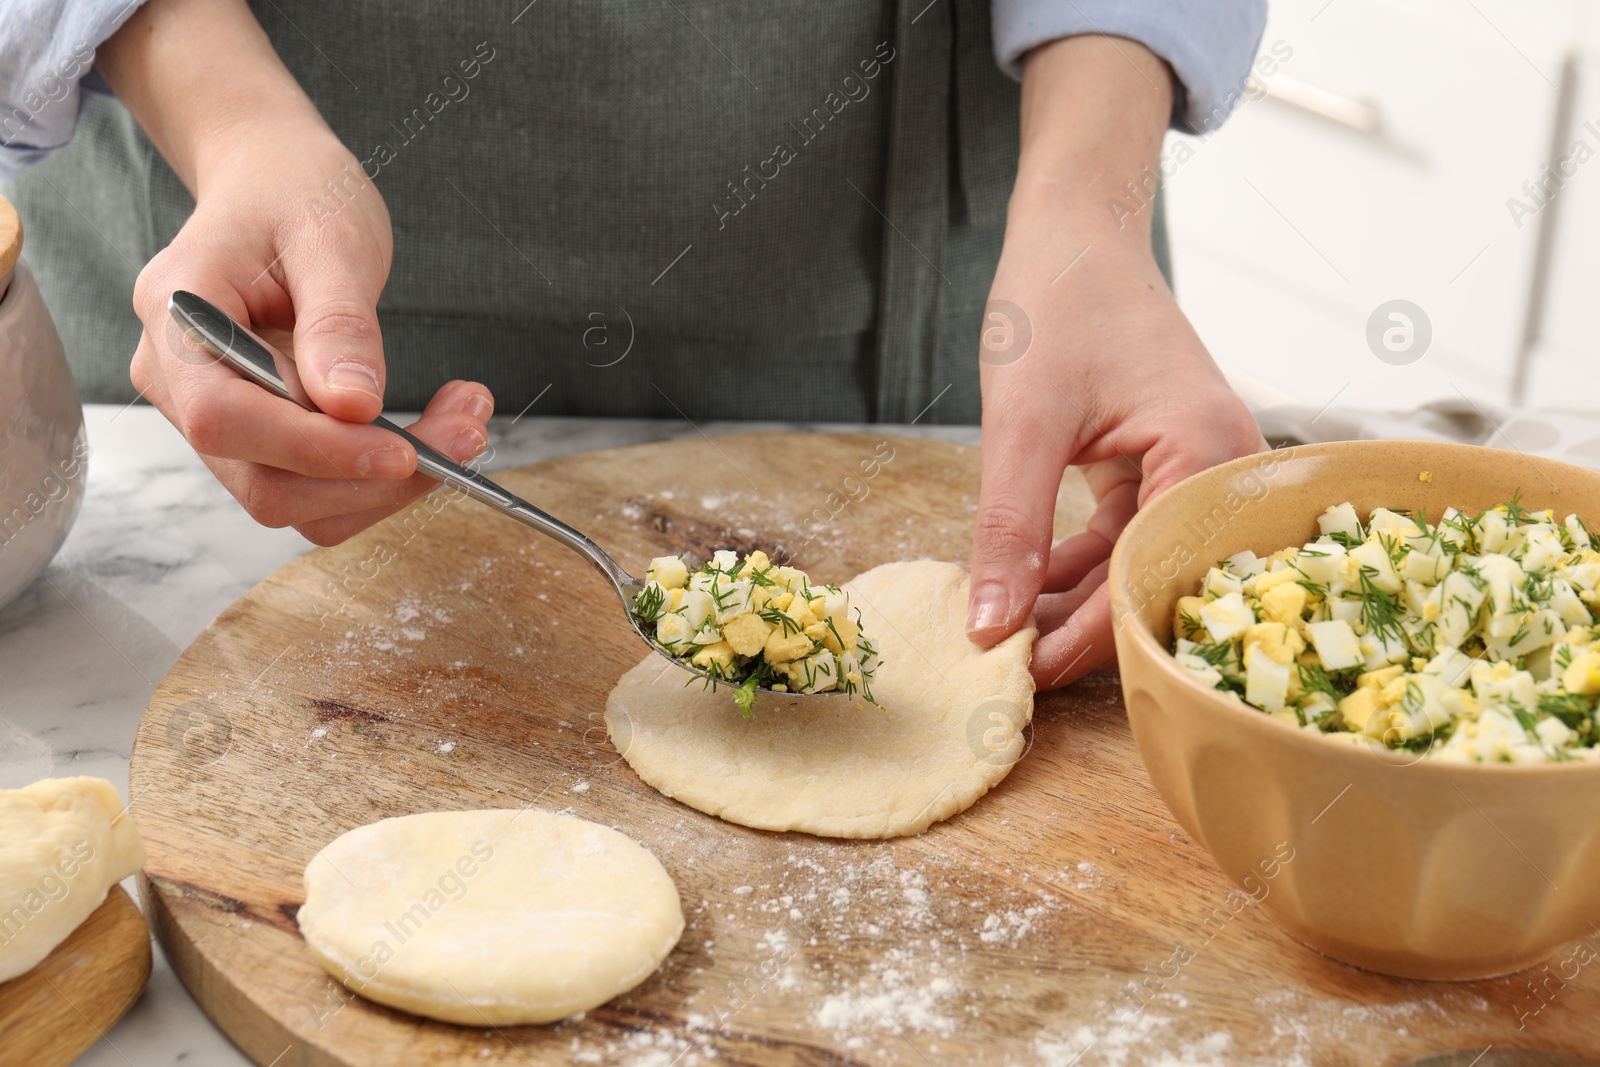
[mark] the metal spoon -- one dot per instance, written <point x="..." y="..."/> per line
<point x="251" y="357"/>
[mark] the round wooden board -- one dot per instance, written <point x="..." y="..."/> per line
<point x="49" y="1015"/>
<point x="450" y="658"/>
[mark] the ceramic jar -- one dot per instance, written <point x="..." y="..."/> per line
<point x="43" y="449"/>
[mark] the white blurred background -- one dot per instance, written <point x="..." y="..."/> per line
<point x="1440" y="152"/>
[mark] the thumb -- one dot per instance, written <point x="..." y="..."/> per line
<point x="1022" y="468"/>
<point x="338" y="349"/>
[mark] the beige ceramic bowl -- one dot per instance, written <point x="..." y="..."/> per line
<point x="1405" y="866"/>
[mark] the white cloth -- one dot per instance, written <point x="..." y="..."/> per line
<point x="1571" y="437"/>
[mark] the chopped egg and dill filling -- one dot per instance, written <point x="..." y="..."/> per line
<point x="753" y="624"/>
<point x="1473" y="638"/>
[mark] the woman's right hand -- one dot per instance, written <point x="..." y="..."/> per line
<point x="289" y="237"/>
<point x="268" y="245"/>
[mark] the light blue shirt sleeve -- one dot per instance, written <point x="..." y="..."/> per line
<point x="1209" y="44"/>
<point x="47" y="50"/>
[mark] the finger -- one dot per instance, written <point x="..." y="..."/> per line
<point x="1051" y="610"/>
<point x="340" y="528"/>
<point x="337" y="528"/>
<point x="275" y="497"/>
<point x="338" y="348"/>
<point x="278" y="498"/>
<point x="1023" y="459"/>
<point x="1081" y="645"/>
<point x="232" y="418"/>
<point x="472" y="398"/>
<point x="1076" y="556"/>
<point x="145" y="375"/>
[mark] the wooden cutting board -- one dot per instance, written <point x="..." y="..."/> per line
<point x="49" y="1015"/>
<point x="452" y="659"/>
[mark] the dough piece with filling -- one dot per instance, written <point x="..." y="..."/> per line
<point x="64" y="842"/>
<point x="489" y="918"/>
<point x="949" y="729"/>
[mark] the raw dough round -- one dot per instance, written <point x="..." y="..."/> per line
<point x="950" y="728"/>
<point x="489" y="918"/>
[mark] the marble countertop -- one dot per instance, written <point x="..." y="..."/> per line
<point x="158" y="550"/>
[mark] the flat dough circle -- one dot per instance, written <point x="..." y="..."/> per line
<point x="950" y="728"/>
<point x="500" y="917"/>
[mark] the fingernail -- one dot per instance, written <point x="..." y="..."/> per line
<point x="478" y="407"/>
<point x="988" y="607"/>
<point x="390" y="461"/>
<point x="353" y="377"/>
<point x="468" y="443"/>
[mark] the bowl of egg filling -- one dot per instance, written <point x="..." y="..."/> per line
<point x="1364" y="675"/>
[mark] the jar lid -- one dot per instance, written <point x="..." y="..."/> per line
<point x="10" y="239"/>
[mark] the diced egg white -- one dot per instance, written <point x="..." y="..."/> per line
<point x="1335" y="643"/>
<point x="1227" y="617"/>
<point x="1375" y="564"/>
<point x="1266" y="680"/>
<point x="1319" y="561"/>
<point x="1341" y="518"/>
<point x="1245" y="564"/>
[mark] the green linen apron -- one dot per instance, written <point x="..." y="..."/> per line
<point x="790" y="210"/>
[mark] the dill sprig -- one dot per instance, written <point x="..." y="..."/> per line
<point x="1573" y="709"/>
<point x="745" y="695"/>
<point x="1380" y="611"/>
<point x="1529" y="724"/>
<point x="1516" y="514"/>
<point x="1314" y="679"/>
<point x="650" y="604"/>
<point x="1218" y="654"/>
<point x="780" y="619"/>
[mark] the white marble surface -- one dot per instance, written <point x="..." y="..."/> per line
<point x="158" y="550"/>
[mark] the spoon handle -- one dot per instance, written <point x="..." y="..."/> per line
<point x="251" y="357"/>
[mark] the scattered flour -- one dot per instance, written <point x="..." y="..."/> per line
<point x="646" y="1048"/>
<point x="892" y="1002"/>
<point x="1142" y="1041"/>
<point x="1008" y="928"/>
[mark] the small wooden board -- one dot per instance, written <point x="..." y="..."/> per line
<point x="51" y="1014"/>
<point x="453" y="659"/>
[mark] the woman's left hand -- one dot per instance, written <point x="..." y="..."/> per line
<point x="1116" y="382"/>
<point x="1086" y="358"/>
